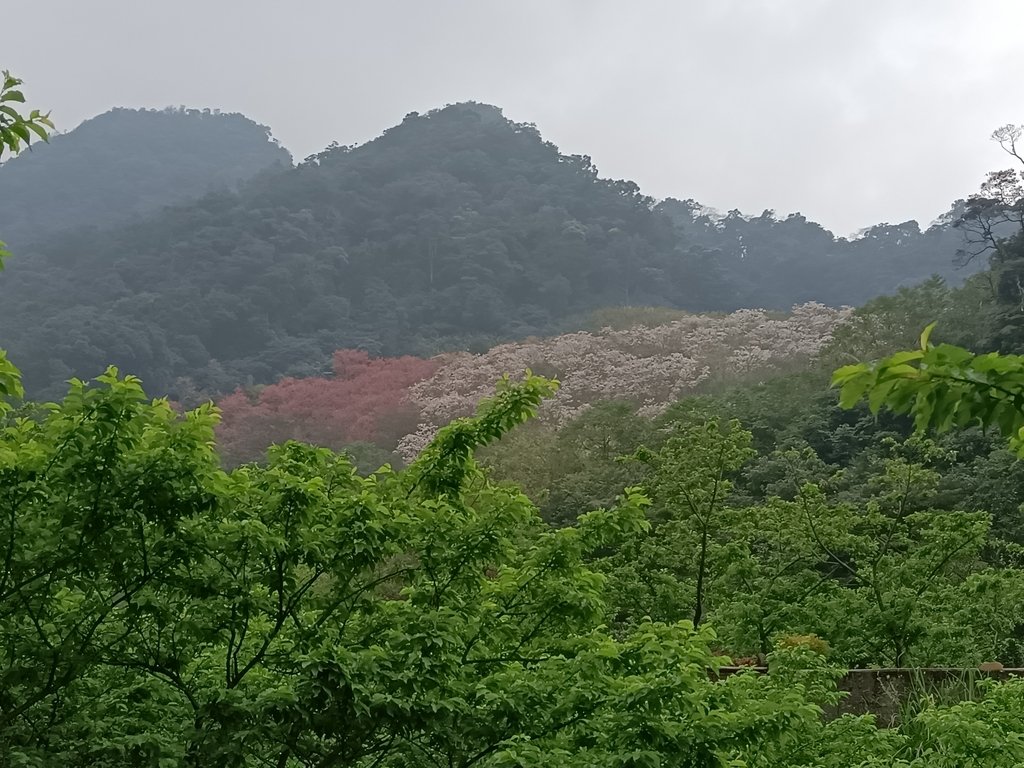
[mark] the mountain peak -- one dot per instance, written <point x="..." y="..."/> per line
<point x="128" y="162"/>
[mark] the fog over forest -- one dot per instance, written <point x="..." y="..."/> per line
<point x="572" y="385"/>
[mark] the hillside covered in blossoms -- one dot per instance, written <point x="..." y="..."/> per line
<point x="649" y="366"/>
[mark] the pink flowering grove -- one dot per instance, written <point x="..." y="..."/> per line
<point x="651" y="366"/>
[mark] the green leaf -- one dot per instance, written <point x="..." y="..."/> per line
<point x="39" y="131"/>
<point x="878" y="394"/>
<point x="853" y="391"/>
<point x="897" y="371"/>
<point x="22" y="131"/>
<point x="848" y="372"/>
<point x="905" y="357"/>
<point x="926" y="334"/>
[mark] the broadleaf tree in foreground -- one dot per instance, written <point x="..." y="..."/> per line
<point x="157" y="610"/>
<point x="17" y="129"/>
<point x="16" y="132"/>
<point x="943" y="386"/>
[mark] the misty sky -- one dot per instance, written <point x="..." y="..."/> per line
<point x="851" y="112"/>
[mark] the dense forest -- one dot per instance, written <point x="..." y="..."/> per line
<point x="455" y="229"/>
<point x="589" y="528"/>
<point x="776" y="262"/>
<point x="126" y="163"/>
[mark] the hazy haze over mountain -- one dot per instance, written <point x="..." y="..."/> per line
<point x="850" y="113"/>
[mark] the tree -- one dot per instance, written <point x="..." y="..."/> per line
<point x="992" y="225"/>
<point x="945" y="387"/>
<point x="877" y="570"/>
<point x="580" y="466"/>
<point x="942" y="386"/>
<point x="97" y="494"/>
<point x="993" y="216"/>
<point x="364" y="400"/>
<point x="689" y="481"/>
<point x="905" y="565"/>
<point x="777" y="577"/>
<point x="156" y="610"/>
<point x="16" y="129"/>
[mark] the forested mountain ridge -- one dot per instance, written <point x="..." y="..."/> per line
<point x="775" y="262"/>
<point x="455" y="229"/>
<point x="125" y="163"/>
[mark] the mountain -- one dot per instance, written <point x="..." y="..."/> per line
<point x="455" y="229"/>
<point x="125" y="163"/>
<point x="778" y="262"/>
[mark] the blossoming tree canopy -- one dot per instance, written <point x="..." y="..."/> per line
<point x="651" y="366"/>
<point x="365" y="400"/>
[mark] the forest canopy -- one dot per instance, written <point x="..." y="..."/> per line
<point x="455" y="229"/>
<point x="128" y="163"/>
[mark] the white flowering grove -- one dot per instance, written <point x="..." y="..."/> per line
<point x="651" y="366"/>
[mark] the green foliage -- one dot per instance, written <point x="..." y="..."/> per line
<point x="581" y="466"/>
<point x="295" y="605"/>
<point x="873" y="566"/>
<point x="16" y="128"/>
<point x="775" y="578"/>
<point x="445" y="464"/>
<point x="155" y="610"/>
<point x="10" y="383"/>
<point x="943" y="386"/>
<point x="983" y="733"/>
<point x="668" y="573"/>
<point x="910" y="568"/>
<point x="889" y="323"/>
<point x="97" y="495"/>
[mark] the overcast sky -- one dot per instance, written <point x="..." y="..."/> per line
<point x="851" y="112"/>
